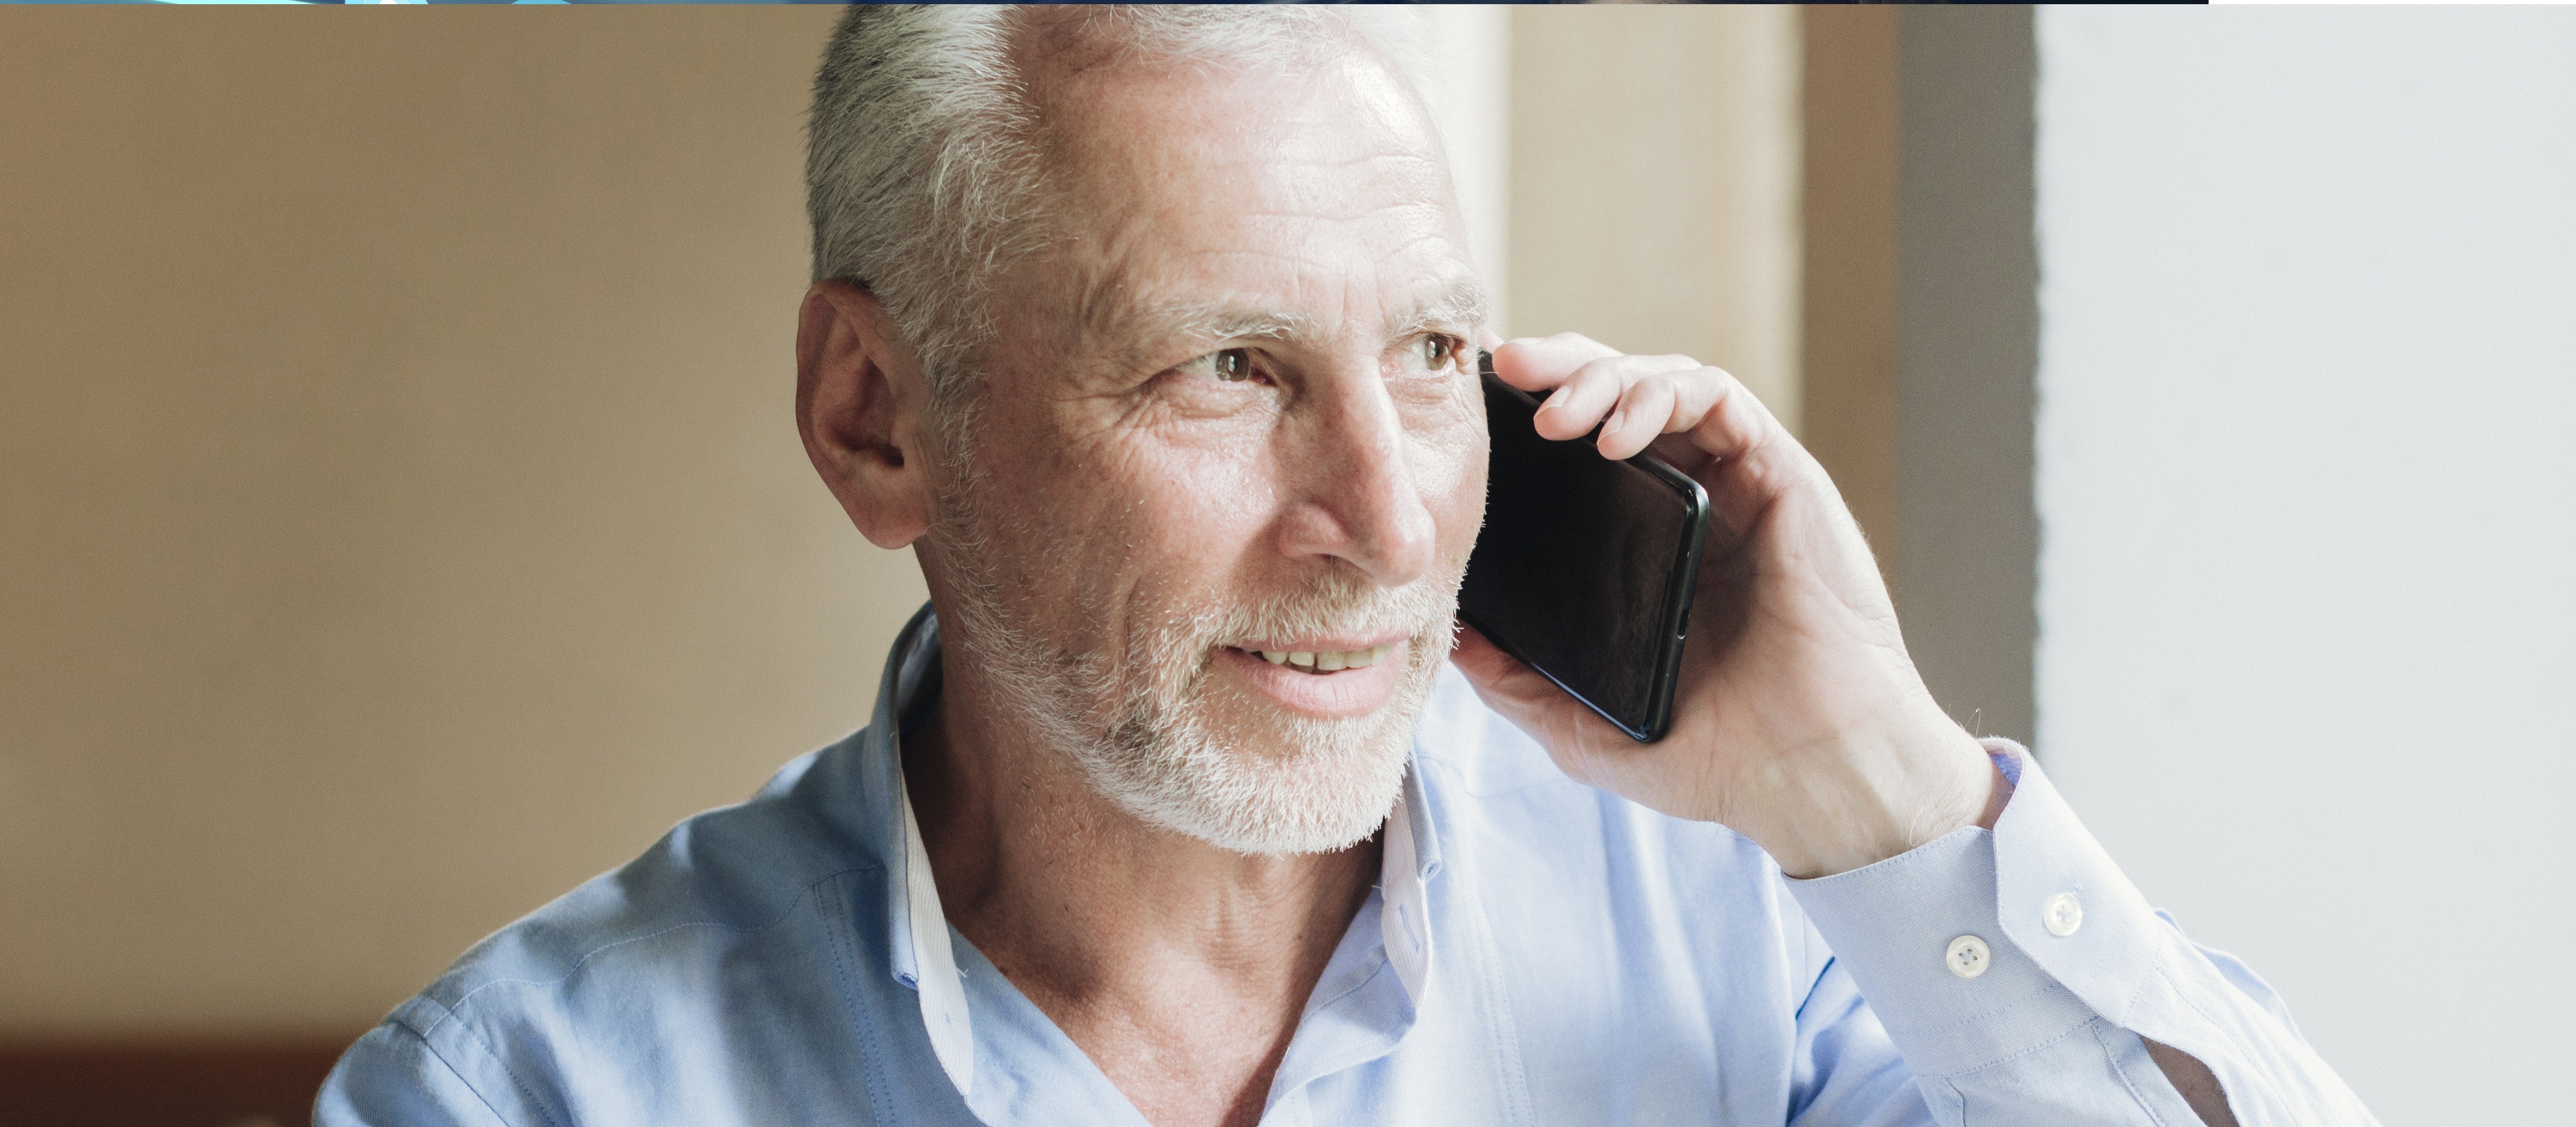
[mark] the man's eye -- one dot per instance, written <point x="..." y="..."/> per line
<point x="1232" y="365"/>
<point x="1434" y="353"/>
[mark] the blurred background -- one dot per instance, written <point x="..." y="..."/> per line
<point x="402" y="520"/>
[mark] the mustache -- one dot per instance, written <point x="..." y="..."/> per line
<point x="1335" y="604"/>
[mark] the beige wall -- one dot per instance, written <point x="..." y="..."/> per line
<point x="401" y="516"/>
<point x="1847" y="224"/>
<point x="1654" y="184"/>
<point x="1721" y="182"/>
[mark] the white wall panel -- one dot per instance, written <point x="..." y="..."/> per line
<point x="2308" y="508"/>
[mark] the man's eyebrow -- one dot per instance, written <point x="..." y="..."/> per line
<point x="1217" y="320"/>
<point x="1461" y="301"/>
<point x="1134" y="331"/>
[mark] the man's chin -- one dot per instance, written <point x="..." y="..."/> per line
<point x="1223" y="761"/>
<point x="1288" y="805"/>
<point x="1258" y="779"/>
<point x="1264" y="733"/>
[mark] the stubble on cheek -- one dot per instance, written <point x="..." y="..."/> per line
<point x="1114" y="572"/>
<point x="1086" y="572"/>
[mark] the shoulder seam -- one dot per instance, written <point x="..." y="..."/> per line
<point x="459" y="1076"/>
<point x="516" y="1080"/>
<point x="454" y="1009"/>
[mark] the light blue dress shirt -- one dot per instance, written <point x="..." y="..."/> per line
<point x="1536" y="952"/>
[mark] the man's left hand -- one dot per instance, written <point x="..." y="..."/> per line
<point x="1799" y="720"/>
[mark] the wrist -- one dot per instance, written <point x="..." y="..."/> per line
<point x="1879" y="794"/>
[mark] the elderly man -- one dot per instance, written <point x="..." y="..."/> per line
<point x="1186" y="803"/>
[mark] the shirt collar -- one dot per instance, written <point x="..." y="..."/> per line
<point x="917" y="939"/>
<point x="1411" y="859"/>
<point x="923" y="950"/>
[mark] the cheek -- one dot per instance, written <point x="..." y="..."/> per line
<point x="1196" y="512"/>
<point x="1449" y="469"/>
<point x="1137" y="529"/>
<point x="1056" y="519"/>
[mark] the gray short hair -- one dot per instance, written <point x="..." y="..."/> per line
<point x="922" y="174"/>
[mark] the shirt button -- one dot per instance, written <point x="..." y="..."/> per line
<point x="1968" y="956"/>
<point x="2063" y="913"/>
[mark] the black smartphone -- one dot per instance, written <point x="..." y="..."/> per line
<point x="1585" y="567"/>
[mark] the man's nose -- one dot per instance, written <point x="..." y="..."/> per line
<point x="1356" y="494"/>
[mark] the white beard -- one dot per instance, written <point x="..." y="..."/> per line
<point x="1277" y="784"/>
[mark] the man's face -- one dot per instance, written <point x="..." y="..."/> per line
<point x="1230" y="422"/>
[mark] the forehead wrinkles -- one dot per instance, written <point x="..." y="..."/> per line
<point x="1394" y="268"/>
<point x="1288" y="200"/>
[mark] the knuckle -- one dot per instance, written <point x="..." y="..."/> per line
<point x="1604" y="370"/>
<point x="1652" y="391"/>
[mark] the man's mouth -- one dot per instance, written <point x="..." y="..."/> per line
<point x="1321" y="683"/>
<point x="1323" y="661"/>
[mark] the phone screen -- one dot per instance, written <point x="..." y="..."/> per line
<point x="1585" y="566"/>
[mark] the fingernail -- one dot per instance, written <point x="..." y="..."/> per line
<point x="1611" y="425"/>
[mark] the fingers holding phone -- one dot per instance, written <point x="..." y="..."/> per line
<point x="1688" y="413"/>
<point x="1796" y="716"/>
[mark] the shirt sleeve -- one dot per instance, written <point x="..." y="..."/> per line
<point x="392" y="1078"/>
<point x="2016" y="970"/>
<point x="1845" y="1073"/>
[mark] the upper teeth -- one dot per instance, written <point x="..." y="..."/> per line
<point x="1324" y="661"/>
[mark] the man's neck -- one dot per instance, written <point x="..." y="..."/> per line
<point x="1179" y="967"/>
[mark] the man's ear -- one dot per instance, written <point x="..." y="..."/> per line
<point x="859" y="399"/>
